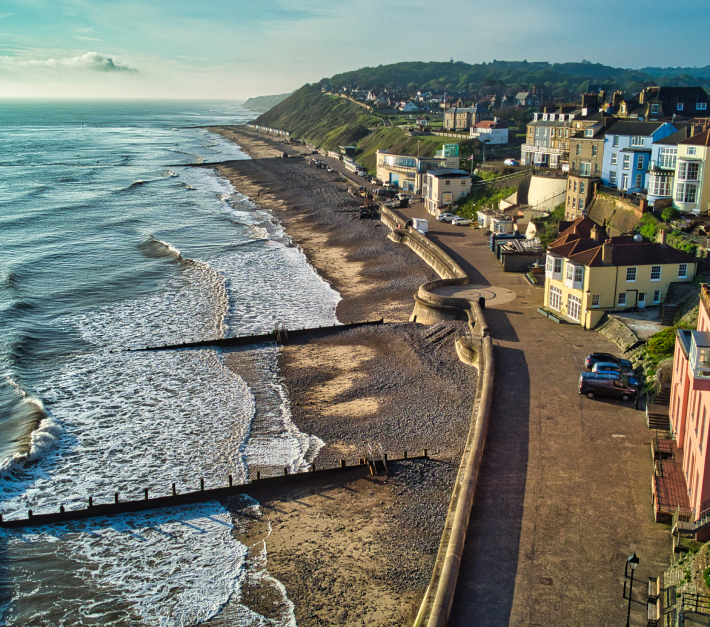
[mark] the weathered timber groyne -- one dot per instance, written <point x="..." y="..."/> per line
<point x="278" y="335"/>
<point x="349" y="471"/>
<point x="431" y="307"/>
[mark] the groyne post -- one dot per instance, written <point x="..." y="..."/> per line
<point x="115" y="497"/>
<point x="91" y="501"/>
<point x="145" y="493"/>
<point x="174" y="490"/>
<point x="230" y="481"/>
<point x="202" y="484"/>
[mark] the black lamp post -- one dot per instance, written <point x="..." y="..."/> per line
<point x="632" y="561"/>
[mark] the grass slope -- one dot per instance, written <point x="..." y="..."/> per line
<point x="264" y="103"/>
<point x="327" y="121"/>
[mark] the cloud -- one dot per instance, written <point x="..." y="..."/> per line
<point x="84" y="38"/>
<point x="87" y="62"/>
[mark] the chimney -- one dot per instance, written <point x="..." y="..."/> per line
<point x="661" y="237"/>
<point x="607" y="251"/>
<point x="643" y="205"/>
<point x="642" y="96"/>
<point x="616" y="98"/>
<point x="596" y="233"/>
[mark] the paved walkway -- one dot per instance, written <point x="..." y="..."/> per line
<point x="564" y="491"/>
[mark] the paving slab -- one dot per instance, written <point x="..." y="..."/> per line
<point x="564" y="490"/>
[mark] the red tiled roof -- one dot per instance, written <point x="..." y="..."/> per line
<point x="701" y="139"/>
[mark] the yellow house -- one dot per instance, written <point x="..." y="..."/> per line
<point x="444" y="188"/>
<point x="691" y="187"/>
<point x="588" y="274"/>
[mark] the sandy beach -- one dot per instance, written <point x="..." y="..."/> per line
<point x="356" y="552"/>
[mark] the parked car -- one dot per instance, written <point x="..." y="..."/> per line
<point x="330" y="169"/>
<point x="602" y="367"/>
<point x="460" y="222"/>
<point x="593" y="384"/>
<point x="565" y="167"/>
<point x="446" y="217"/>
<point x="511" y="162"/>
<point x="593" y="358"/>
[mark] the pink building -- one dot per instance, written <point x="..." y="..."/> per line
<point x="689" y="410"/>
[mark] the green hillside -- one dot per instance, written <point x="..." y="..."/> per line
<point x="262" y="104"/>
<point x="328" y="121"/>
<point x="560" y="80"/>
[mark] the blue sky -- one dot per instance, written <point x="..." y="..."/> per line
<point x="237" y="49"/>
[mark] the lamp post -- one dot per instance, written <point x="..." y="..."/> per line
<point x="632" y="561"/>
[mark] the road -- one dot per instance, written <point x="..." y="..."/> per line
<point x="564" y="491"/>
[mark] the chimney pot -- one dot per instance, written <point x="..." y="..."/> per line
<point x="661" y="237"/>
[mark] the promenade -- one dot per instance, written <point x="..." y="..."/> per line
<point x="563" y="495"/>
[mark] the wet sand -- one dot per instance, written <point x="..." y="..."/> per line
<point x="356" y="552"/>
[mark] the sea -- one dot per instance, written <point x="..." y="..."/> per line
<point x="111" y="239"/>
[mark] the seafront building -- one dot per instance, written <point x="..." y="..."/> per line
<point x="408" y="172"/>
<point x="444" y="188"/>
<point x="588" y="274"/>
<point x="690" y="409"/>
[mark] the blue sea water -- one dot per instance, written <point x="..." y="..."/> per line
<point x="111" y="240"/>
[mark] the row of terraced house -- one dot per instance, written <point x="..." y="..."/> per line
<point x="654" y="145"/>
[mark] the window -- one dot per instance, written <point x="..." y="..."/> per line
<point x="585" y="169"/>
<point x="667" y="158"/>
<point x="596" y="168"/>
<point x="594" y="150"/>
<point x="688" y="171"/>
<point x="686" y="192"/>
<point x="570" y="272"/>
<point x="657" y="296"/>
<point x="555" y="298"/>
<point x="627" y="162"/>
<point x="615" y="141"/>
<point x="691" y="150"/>
<point x="680" y="106"/>
<point x="613" y="158"/>
<point x="578" y="274"/>
<point x="630" y="274"/>
<point x="581" y="204"/>
<point x="642" y="298"/>
<point x="612" y="177"/>
<point x="574" y="203"/>
<point x="569" y="200"/>
<point x="655" y="273"/>
<point x="639" y="162"/>
<point x="638" y="181"/>
<point x="463" y="194"/>
<point x="660" y="185"/>
<point x="589" y="132"/>
<point x="558" y="265"/>
<point x="622" y="298"/>
<point x="574" y="307"/>
<point x="701" y="106"/>
<point x="574" y="186"/>
<point x="637" y="140"/>
<point x="683" y="271"/>
<point x="595" y="300"/>
<point x="654" y="108"/>
<point x="582" y="185"/>
<point x="579" y="149"/>
<point x="448" y="183"/>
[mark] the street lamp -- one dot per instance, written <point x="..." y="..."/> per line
<point x="631" y="561"/>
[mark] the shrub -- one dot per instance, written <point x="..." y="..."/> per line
<point x="670" y="213"/>
<point x="663" y="342"/>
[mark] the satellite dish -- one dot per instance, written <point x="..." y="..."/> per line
<point x="638" y="237"/>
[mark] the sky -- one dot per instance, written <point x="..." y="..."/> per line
<point x="235" y="49"/>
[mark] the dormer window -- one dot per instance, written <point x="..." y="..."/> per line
<point x="589" y="132"/>
<point x="623" y="108"/>
<point x="701" y="106"/>
<point x="654" y="108"/>
<point x="680" y="106"/>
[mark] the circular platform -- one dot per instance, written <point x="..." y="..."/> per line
<point x="495" y="296"/>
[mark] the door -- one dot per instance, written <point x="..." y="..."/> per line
<point x="625" y="181"/>
<point x="642" y="300"/>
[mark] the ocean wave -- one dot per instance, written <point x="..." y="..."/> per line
<point x="43" y="433"/>
<point x="132" y="186"/>
<point x="155" y="247"/>
<point x="10" y="278"/>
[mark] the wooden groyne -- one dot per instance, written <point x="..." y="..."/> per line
<point x="364" y="468"/>
<point x="278" y="335"/>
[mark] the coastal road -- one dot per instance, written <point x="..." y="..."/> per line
<point x="564" y="490"/>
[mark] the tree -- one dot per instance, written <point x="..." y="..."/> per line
<point x="670" y="213"/>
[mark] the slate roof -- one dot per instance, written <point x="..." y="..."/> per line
<point x="446" y="173"/>
<point x="630" y="127"/>
<point x="674" y="138"/>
